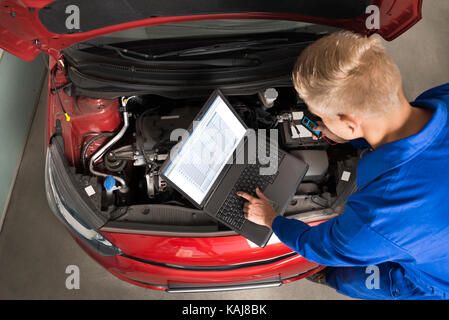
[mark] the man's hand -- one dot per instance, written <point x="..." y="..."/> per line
<point x="258" y="210"/>
<point x="327" y="133"/>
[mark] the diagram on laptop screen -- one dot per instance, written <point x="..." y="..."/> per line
<point x="206" y="152"/>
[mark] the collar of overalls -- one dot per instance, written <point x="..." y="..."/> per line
<point x="391" y="155"/>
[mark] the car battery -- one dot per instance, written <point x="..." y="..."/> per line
<point x="293" y="133"/>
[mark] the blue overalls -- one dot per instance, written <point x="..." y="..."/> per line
<point x="392" y="240"/>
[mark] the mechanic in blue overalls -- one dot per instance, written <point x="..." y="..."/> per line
<point x="392" y="240"/>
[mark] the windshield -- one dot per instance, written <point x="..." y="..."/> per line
<point x="210" y="28"/>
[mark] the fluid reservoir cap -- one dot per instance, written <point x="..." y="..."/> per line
<point x="268" y="97"/>
<point x="109" y="183"/>
<point x="271" y="94"/>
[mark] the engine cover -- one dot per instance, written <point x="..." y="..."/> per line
<point x="318" y="162"/>
<point x="152" y="130"/>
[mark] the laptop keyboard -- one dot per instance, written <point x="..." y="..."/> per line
<point x="231" y="210"/>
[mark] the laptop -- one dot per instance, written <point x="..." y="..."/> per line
<point x="219" y="157"/>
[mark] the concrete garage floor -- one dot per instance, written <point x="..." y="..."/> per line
<point x="35" y="248"/>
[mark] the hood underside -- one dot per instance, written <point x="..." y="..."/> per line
<point x="59" y="24"/>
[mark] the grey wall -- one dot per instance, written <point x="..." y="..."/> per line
<point x="20" y="84"/>
<point x="422" y="52"/>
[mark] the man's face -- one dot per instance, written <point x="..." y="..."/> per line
<point x="345" y="127"/>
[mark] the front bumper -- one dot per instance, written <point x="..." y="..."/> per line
<point x="132" y="265"/>
<point x="173" y="280"/>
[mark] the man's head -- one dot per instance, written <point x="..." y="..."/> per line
<point x="347" y="79"/>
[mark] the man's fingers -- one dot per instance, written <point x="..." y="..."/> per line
<point x="252" y="199"/>
<point x="246" y="210"/>
<point x="246" y="196"/>
<point x="261" y="195"/>
<point x="321" y="127"/>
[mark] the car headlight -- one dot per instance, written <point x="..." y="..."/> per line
<point x="61" y="194"/>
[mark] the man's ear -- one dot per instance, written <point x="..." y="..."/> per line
<point x="352" y="123"/>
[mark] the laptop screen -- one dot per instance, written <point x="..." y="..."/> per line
<point x="202" y="157"/>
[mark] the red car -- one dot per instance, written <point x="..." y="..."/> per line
<point x="171" y="56"/>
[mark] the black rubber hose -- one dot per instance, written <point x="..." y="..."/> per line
<point x="87" y="145"/>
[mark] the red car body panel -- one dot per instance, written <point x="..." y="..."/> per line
<point x="87" y="115"/>
<point x="153" y="261"/>
<point x="274" y="261"/>
<point x="152" y="276"/>
<point x="216" y="251"/>
<point x="20" y="26"/>
<point x="199" y="251"/>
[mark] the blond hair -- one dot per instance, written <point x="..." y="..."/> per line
<point x="346" y="73"/>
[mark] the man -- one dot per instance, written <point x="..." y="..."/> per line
<point x="396" y="225"/>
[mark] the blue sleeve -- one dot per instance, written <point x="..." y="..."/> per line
<point x="345" y="240"/>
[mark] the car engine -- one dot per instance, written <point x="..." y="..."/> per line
<point x="138" y="155"/>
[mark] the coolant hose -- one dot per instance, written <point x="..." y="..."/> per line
<point x="105" y="148"/>
<point x="88" y="144"/>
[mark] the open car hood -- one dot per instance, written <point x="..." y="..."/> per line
<point x="24" y="23"/>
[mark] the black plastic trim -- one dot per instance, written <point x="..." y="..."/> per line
<point x="300" y="274"/>
<point x="213" y="268"/>
<point x="91" y="86"/>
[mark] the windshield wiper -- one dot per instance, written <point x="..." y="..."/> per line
<point x="257" y="45"/>
<point x="123" y="52"/>
<point x="148" y="59"/>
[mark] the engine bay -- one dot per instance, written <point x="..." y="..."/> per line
<point x="135" y="151"/>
